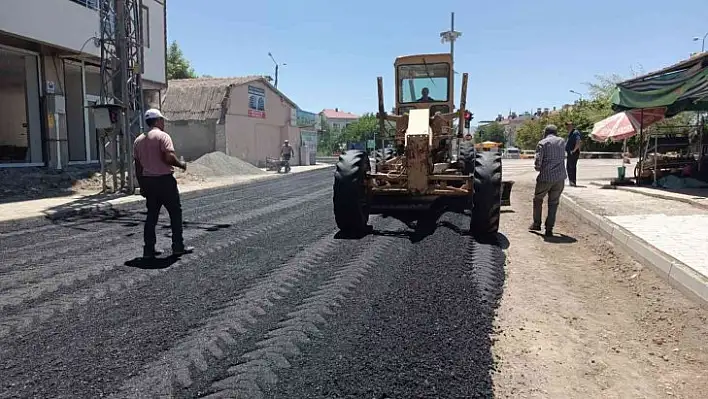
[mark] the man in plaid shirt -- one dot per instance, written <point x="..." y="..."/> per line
<point x="550" y="163"/>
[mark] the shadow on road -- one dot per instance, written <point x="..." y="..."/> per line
<point x="128" y="218"/>
<point x="425" y="225"/>
<point x="556" y="238"/>
<point x="152" y="264"/>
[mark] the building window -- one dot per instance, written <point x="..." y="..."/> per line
<point x="145" y="16"/>
<point x="92" y="4"/>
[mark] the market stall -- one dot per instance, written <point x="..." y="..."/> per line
<point x="678" y="88"/>
<point x="622" y="126"/>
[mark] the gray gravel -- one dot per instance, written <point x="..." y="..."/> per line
<point x="272" y="304"/>
<point x="219" y="164"/>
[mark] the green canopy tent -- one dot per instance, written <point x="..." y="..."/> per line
<point x="679" y="87"/>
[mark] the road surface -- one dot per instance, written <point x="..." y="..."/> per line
<point x="273" y="304"/>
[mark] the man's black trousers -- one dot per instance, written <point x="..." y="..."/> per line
<point x="572" y="166"/>
<point x="162" y="191"/>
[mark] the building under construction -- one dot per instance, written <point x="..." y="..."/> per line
<point x="60" y="57"/>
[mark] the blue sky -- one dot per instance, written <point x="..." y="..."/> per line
<point x="520" y="54"/>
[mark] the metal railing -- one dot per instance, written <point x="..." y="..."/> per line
<point x="92" y="4"/>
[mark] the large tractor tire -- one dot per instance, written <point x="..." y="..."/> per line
<point x="351" y="204"/>
<point x="486" y="210"/>
<point x="467" y="157"/>
<point x="385" y="155"/>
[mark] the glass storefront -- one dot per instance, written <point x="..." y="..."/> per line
<point x="20" y="123"/>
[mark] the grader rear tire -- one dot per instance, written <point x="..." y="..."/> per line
<point x="486" y="210"/>
<point x="351" y="204"/>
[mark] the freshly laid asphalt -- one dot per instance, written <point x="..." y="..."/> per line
<point x="272" y="304"/>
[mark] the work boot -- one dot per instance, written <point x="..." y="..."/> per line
<point x="535" y="227"/>
<point x="179" y="250"/>
<point x="150" y="253"/>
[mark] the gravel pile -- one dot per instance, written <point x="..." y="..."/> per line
<point x="219" y="164"/>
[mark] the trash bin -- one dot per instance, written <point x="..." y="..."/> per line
<point x="620" y="172"/>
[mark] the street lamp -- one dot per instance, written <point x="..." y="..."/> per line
<point x="703" y="42"/>
<point x="276" y="68"/>
<point x="579" y="94"/>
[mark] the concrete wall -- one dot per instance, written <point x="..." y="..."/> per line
<point x="253" y="139"/>
<point x="68" y="25"/>
<point x="192" y="139"/>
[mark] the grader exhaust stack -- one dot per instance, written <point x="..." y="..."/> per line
<point x="430" y="164"/>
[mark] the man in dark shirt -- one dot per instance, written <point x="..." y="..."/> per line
<point x="425" y="96"/>
<point x="549" y="159"/>
<point x="572" y="149"/>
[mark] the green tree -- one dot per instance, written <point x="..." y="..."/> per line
<point x="492" y="132"/>
<point x="178" y="67"/>
<point x="583" y="114"/>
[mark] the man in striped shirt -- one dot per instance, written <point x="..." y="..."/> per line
<point x="550" y="163"/>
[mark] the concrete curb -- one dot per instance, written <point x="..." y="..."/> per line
<point x="678" y="274"/>
<point x="124" y="201"/>
<point x="657" y="194"/>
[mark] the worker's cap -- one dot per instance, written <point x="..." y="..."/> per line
<point x="154" y="113"/>
<point x="550" y="129"/>
<point x="286" y="141"/>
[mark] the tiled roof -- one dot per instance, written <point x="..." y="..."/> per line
<point x="336" y="114"/>
<point x="203" y="98"/>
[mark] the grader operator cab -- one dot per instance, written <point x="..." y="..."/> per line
<point x="431" y="164"/>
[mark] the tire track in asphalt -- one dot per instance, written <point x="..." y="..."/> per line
<point x="417" y="330"/>
<point x="80" y="269"/>
<point x="245" y="191"/>
<point x="179" y="367"/>
<point x="258" y="373"/>
<point x="109" y="242"/>
<point x="90" y="351"/>
<point x="45" y="310"/>
<point x="486" y="261"/>
<point x="191" y="214"/>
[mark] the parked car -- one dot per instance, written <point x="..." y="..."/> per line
<point x="512" y="153"/>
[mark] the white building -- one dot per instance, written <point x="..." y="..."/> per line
<point x="336" y="119"/>
<point x="49" y="49"/>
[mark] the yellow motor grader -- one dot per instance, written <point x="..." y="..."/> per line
<point x="430" y="164"/>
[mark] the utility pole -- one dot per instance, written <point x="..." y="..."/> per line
<point x="276" y="68"/>
<point x="451" y="36"/>
<point x="121" y="77"/>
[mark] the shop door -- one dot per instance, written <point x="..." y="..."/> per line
<point x="75" y="111"/>
<point x="14" y="132"/>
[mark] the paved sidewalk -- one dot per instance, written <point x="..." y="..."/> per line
<point x="59" y="207"/>
<point x="668" y="235"/>
<point x="695" y="197"/>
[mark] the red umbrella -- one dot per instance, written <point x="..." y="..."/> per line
<point x="626" y="124"/>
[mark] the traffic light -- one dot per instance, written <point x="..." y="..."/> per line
<point x="468" y="118"/>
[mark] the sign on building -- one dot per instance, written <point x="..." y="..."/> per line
<point x="306" y="119"/>
<point x="256" y="102"/>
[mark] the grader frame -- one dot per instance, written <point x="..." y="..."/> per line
<point x="422" y="139"/>
<point x="430" y="163"/>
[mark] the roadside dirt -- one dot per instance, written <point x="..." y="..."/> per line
<point x="21" y="184"/>
<point x="580" y="319"/>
